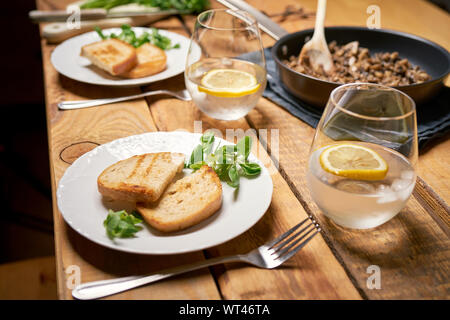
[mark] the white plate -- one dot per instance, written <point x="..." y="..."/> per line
<point x="67" y="60"/>
<point x="84" y="210"/>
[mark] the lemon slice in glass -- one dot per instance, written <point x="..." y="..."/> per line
<point x="228" y="83"/>
<point x="354" y="162"/>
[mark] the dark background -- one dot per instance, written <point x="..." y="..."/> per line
<point x="25" y="192"/>
<point x="444" y="4"/>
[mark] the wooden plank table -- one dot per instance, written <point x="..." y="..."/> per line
<point x="412" y="250"/>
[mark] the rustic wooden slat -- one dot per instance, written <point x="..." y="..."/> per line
<point x="412" y="250"/>
<point x="314" y="273"/>
<point x="100" y="125"/>
<point x="308" y="275"/>
<point x="28" y="279"/>
<point x="72" y="133"/>
<point x="411" y="268"/>
<point x="433" y="167"/>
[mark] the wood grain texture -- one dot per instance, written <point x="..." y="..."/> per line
<point x="412" y="250"/>
<point x="313" y="273"/>
<point x="308" y="275"/>
<point x="421" y="269"/>
<point x="72" y="133"/>
<point x="28" y="279"/>
<point x="101" y="125"/>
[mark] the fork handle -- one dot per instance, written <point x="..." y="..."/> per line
<point x="78" y="104"/>
<point x="103" y="288"/>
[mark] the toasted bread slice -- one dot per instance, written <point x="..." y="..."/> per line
<point x="112" y="55"/>
<point x="140" y="178"/>
<point x="151" y="60"/>
<point x="186" y="202"/>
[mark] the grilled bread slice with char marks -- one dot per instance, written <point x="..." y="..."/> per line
<point x="142" y="178"/>
<point x="112" y="55"/>
<point x="186" y="202"/>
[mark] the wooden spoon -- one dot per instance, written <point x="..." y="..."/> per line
<point x="315" y="52"/>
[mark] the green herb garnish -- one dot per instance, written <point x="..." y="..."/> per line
<point x="129" y="36"/>
<point x="121" y="224"/>
<point x="229" y="161"/>
<point x="188" y="6"/>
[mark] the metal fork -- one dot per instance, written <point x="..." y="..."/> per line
<point x="267" y="256"/>
<point x="68" y="105"/>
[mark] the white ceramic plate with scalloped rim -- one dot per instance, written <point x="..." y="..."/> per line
<point x="84" y="209"/>
<point x="67" y="60"/>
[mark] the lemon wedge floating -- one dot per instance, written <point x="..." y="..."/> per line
<point x="354" y="162"/>
<point x="228" y="83"/>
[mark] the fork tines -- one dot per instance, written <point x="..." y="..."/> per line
<point x="285" y="249"/>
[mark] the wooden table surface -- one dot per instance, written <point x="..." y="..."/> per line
<point x="412" y="250"/>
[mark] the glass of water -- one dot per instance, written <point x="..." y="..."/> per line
<point x="225" y="68"/>
<point x="362" y="163"/>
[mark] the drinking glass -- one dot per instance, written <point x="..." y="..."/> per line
<point x="364" y="121"/>
<point x="225" y="68"/>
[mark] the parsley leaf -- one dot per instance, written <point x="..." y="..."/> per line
<point x="121" y="224"/>
<point x="229" y="161"/>
<point x="130" y="37"/>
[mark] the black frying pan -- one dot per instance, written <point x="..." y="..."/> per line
<point x="431" y="57"/>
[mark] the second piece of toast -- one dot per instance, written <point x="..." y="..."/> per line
<point x="186" y="202"/>
<point x="150" y="60"/>
<point x="140" y="178"/>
